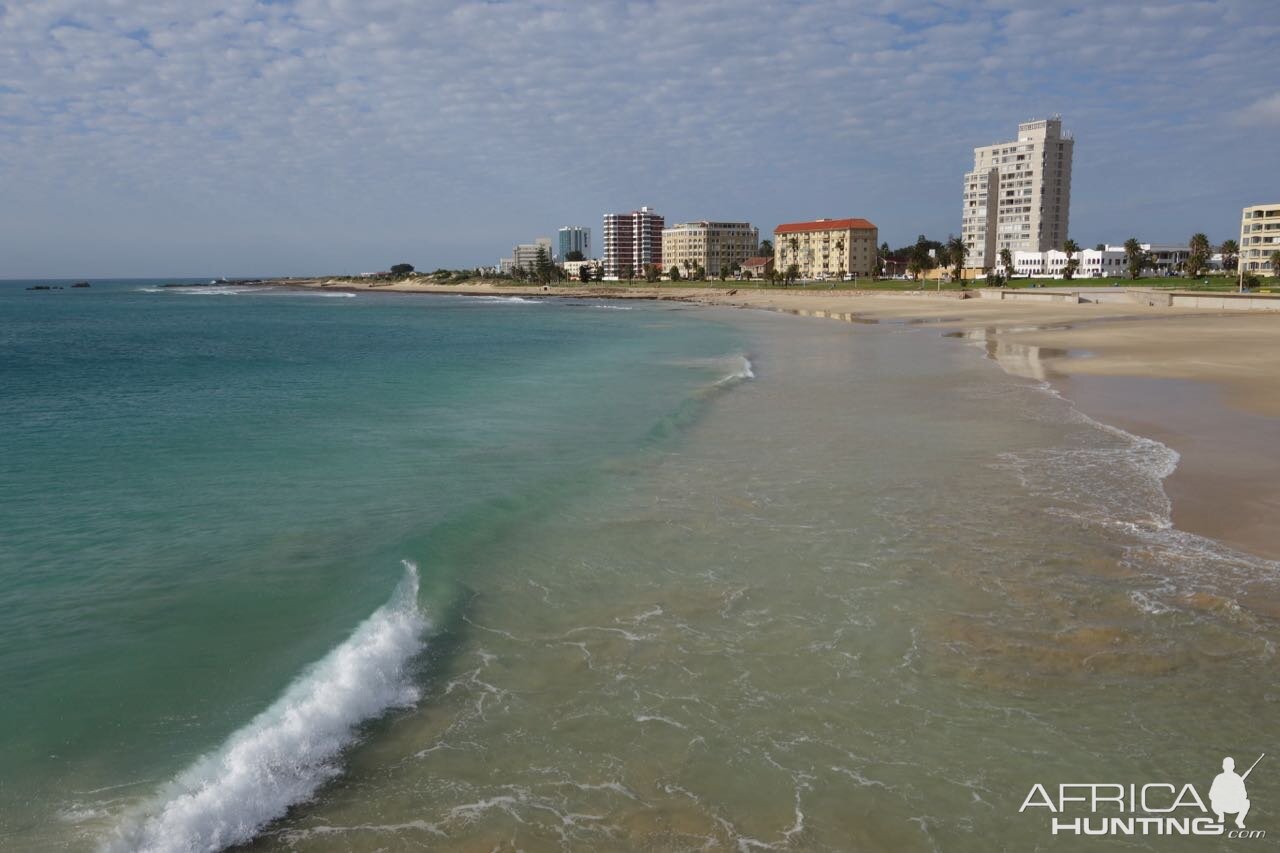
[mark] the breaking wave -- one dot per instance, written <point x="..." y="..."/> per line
<point x="287" y="752"/>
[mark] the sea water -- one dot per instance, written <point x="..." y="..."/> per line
<point x="313" y="571"/>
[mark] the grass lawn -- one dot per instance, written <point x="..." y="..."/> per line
<point x="1213" y="283"/>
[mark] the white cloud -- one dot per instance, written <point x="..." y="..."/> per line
<point x="349" y="130"/>
<point x="1262" y="112"/>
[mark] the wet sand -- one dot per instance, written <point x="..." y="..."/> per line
<point x="1225" y="485"/>
<point x="1202" y="382"/>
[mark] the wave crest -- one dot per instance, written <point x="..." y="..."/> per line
<point x="287" y="752"/>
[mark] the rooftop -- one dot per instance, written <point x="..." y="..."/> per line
<point x="824" y="225"/>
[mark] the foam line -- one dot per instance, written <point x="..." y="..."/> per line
<point x="287" y="752"/>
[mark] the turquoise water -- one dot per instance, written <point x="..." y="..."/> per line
<point x="204" y="491"/>
<point x="312" y="572"/>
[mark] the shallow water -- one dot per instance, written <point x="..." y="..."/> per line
<point x="861" y="599"/>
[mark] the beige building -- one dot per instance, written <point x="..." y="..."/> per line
<point x="1259" y="237"/>
<point x="826" y="248"/>
<point x="525" y="255"/>
<point x="710" y="245"/>
<point x="1018" y="196"/>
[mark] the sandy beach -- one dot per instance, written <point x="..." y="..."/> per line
<point x="1201" y="381"/>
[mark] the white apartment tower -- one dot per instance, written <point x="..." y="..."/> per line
<point x="1018" y="196"/>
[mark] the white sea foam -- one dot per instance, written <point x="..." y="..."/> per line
<point x="500" y="299"/>
<point x="287" y="752"/>
<point x="741" y="371"/>
<point x="215" y="291"/>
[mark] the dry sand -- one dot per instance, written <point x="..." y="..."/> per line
<point x="1206" y="383"/>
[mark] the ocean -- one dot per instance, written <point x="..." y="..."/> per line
<point x="301" y="570"/>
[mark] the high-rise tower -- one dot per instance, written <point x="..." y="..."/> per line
<point x="632" y="241"/>
<point x="1018" y="196"/>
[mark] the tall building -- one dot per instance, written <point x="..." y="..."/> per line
<point x="575" y="238"/>
<point x="826" y="248"/>
<point x="710" y="245"/>
<point x="1259" y="237"/>
<point x="525" y="255"/>
<point x="1018" y="196"/>
<point x="632" y="241"/>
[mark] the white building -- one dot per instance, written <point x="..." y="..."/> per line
<point x="1018" y="196"/>
<point x="573" y="269"/>
<point x="1109" y="262"/>
<point x="1259" y="237"/>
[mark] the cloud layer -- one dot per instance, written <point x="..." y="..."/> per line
<point x="239" y="137"/>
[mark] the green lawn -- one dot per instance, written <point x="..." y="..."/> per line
<point x="1217" y="283"/>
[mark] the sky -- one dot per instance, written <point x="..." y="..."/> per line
<point x="297" y="137"/>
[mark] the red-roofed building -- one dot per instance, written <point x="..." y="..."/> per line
<point x="826" y="248"/>
<point x="757" y="267"/>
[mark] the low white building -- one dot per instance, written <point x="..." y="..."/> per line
<point x="1108" y="262"/>
<point x="573" y="269"/>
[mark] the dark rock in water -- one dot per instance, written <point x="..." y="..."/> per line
<point x="81" y="284"/>
<point x="40" y="287"/>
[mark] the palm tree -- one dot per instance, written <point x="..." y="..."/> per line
<point x="1275" y="263"/>
<point x="1070" y="247"/>
<point x="1198" y="257"/>
<point x="957" y="250"/>
<point x="1230" y="252"/>
<point x="1006" y="260"/>
<point x="1135" y="256"/>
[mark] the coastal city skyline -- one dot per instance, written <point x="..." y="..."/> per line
<point x="639" y="425"/>
<point x="307" y="137"/>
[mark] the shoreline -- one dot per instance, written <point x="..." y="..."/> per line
<point x="1199" y="381"/>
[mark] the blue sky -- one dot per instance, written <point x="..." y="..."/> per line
<point x="303" y="136"/>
